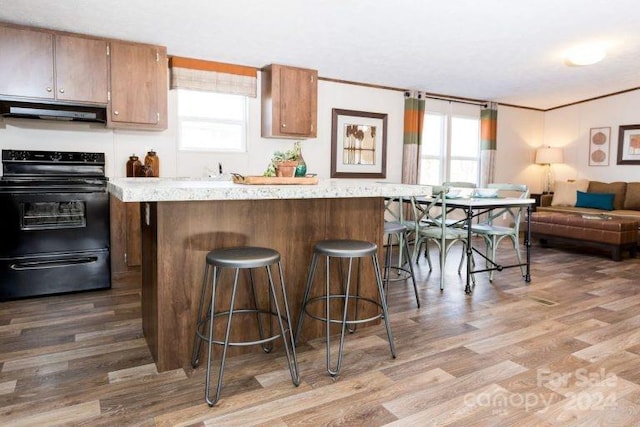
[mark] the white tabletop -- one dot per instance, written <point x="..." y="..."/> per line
<point x="486" y="202"/>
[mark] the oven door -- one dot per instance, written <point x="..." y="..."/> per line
<point x="35" y="223"/>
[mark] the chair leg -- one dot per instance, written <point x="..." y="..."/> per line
<point x="413" y="276"/>
<point x="493" y="257"/>
<point x="464" y="252"/>
<point x="516" y="246"/>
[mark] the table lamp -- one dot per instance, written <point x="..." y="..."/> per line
<point x="546" y="156"/>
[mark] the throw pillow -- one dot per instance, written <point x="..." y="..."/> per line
<point x="602" y="201"/>
<point x="632" y="199"/>
<point x="565" y="193"/>
<point x="618" y="188"/>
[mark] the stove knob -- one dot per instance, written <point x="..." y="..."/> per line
<point x="23" y="155"/>
<point x="56" y="156"/>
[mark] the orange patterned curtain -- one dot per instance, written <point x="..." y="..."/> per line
<point x="412" y="141"/>
<point x="488" y="143"/>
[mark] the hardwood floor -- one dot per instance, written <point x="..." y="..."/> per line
<point x="562" y="351"/>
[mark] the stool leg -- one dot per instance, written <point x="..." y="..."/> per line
<point x="223" y="359"/>
<point x="383" y="302"/>
<point x="305" y="297"/>
<point x="356" y="311"/>
<point x="266" y="347"/>
<point x="197" y="340"/>
<point x="387" y="263"/>
<point x="334" y="372"/>
<point x="413" y="276"/>
<point x="287" y="334"/>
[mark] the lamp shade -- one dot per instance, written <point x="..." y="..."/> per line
<point x="548" y="155"/>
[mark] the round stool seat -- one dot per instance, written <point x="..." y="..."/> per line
<point x="243" y="257"/>
<point x="394" y="227"/>
<point x="345" y="248"/>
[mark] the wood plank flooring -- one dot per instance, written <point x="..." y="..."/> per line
<point x="561" y="351"/>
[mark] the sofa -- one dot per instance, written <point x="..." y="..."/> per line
<point x="591" y="213"/>
<point x="625" y="204"/>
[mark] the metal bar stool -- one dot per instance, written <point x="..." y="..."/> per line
<point x="350" y="250"/>
<point x="240" y="258"/>
<point x="392" y="228"/>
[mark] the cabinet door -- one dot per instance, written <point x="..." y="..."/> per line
<point x="133" y="235"/>
<point x="298" y="91"/>
<point x="138" y="92"/>
<point x="81" y="69"/>
<point x="26" y="63"/>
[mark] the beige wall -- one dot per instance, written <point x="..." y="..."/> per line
<point x="569" y="128"/>
<point x="520" y="131"/>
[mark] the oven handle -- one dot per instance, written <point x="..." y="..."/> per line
<point x="39" y="265"/>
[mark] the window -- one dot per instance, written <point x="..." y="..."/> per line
<point x="210" y="121"/>
<point x="450" y="147"/>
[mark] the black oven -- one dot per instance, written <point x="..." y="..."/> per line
<point x="54" y="223"/>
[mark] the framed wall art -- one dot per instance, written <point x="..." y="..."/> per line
<point x="629" y="145"/>
<point x="358" y="144"/>
<point x="599" y="143"/>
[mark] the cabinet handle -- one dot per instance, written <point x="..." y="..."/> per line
<point x="284" y="125"/>
<point x="61" y="90"/>
<point x="48" y="89"/>
<point x="115" y="113"/>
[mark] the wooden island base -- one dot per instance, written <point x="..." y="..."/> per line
<point x="176" y="237"/>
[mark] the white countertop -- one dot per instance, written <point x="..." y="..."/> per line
<point x="185" y="189"/>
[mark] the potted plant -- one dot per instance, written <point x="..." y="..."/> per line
<point x="284" y="163"/>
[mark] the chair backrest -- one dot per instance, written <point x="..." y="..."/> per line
<point x="430" y="211"/>
<point x="513" y="213"/>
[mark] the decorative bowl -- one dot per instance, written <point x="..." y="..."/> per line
<point x="452" y="193"/>
<point x="486" y="192"/>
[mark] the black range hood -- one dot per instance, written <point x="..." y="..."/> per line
<point x="53" y="111"/>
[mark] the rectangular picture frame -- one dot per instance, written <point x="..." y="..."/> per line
<point x="358" y="144"/>
<point x="629" y="145"/>
<point x="599" y="146"/>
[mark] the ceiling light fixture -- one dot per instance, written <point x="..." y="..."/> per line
<point x="586" y="54"/>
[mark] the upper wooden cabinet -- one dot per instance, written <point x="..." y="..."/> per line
<point x="289" y="102"/>
<point x="138" y="86"/>
<point x="55" y="67"/>
<point x="81" y="69"/>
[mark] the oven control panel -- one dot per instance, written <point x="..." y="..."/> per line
<point x="51" y="156"/>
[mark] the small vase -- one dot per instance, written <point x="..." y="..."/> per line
<point x="301" y="169"/>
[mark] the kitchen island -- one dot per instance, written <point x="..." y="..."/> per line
<point x="183" y="219"/>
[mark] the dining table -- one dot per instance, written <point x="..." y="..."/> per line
<point x="474" y="207"/>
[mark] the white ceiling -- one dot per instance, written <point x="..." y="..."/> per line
<point x="509" y="51"/>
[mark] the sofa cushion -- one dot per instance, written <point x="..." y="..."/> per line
<point x="565" y="193"/>
<point x="632" y="199"/>
<point x="602" y="201"/>
<point x="617" y="188"/>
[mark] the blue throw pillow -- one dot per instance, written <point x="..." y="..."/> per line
<point x="602" y="201"/>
